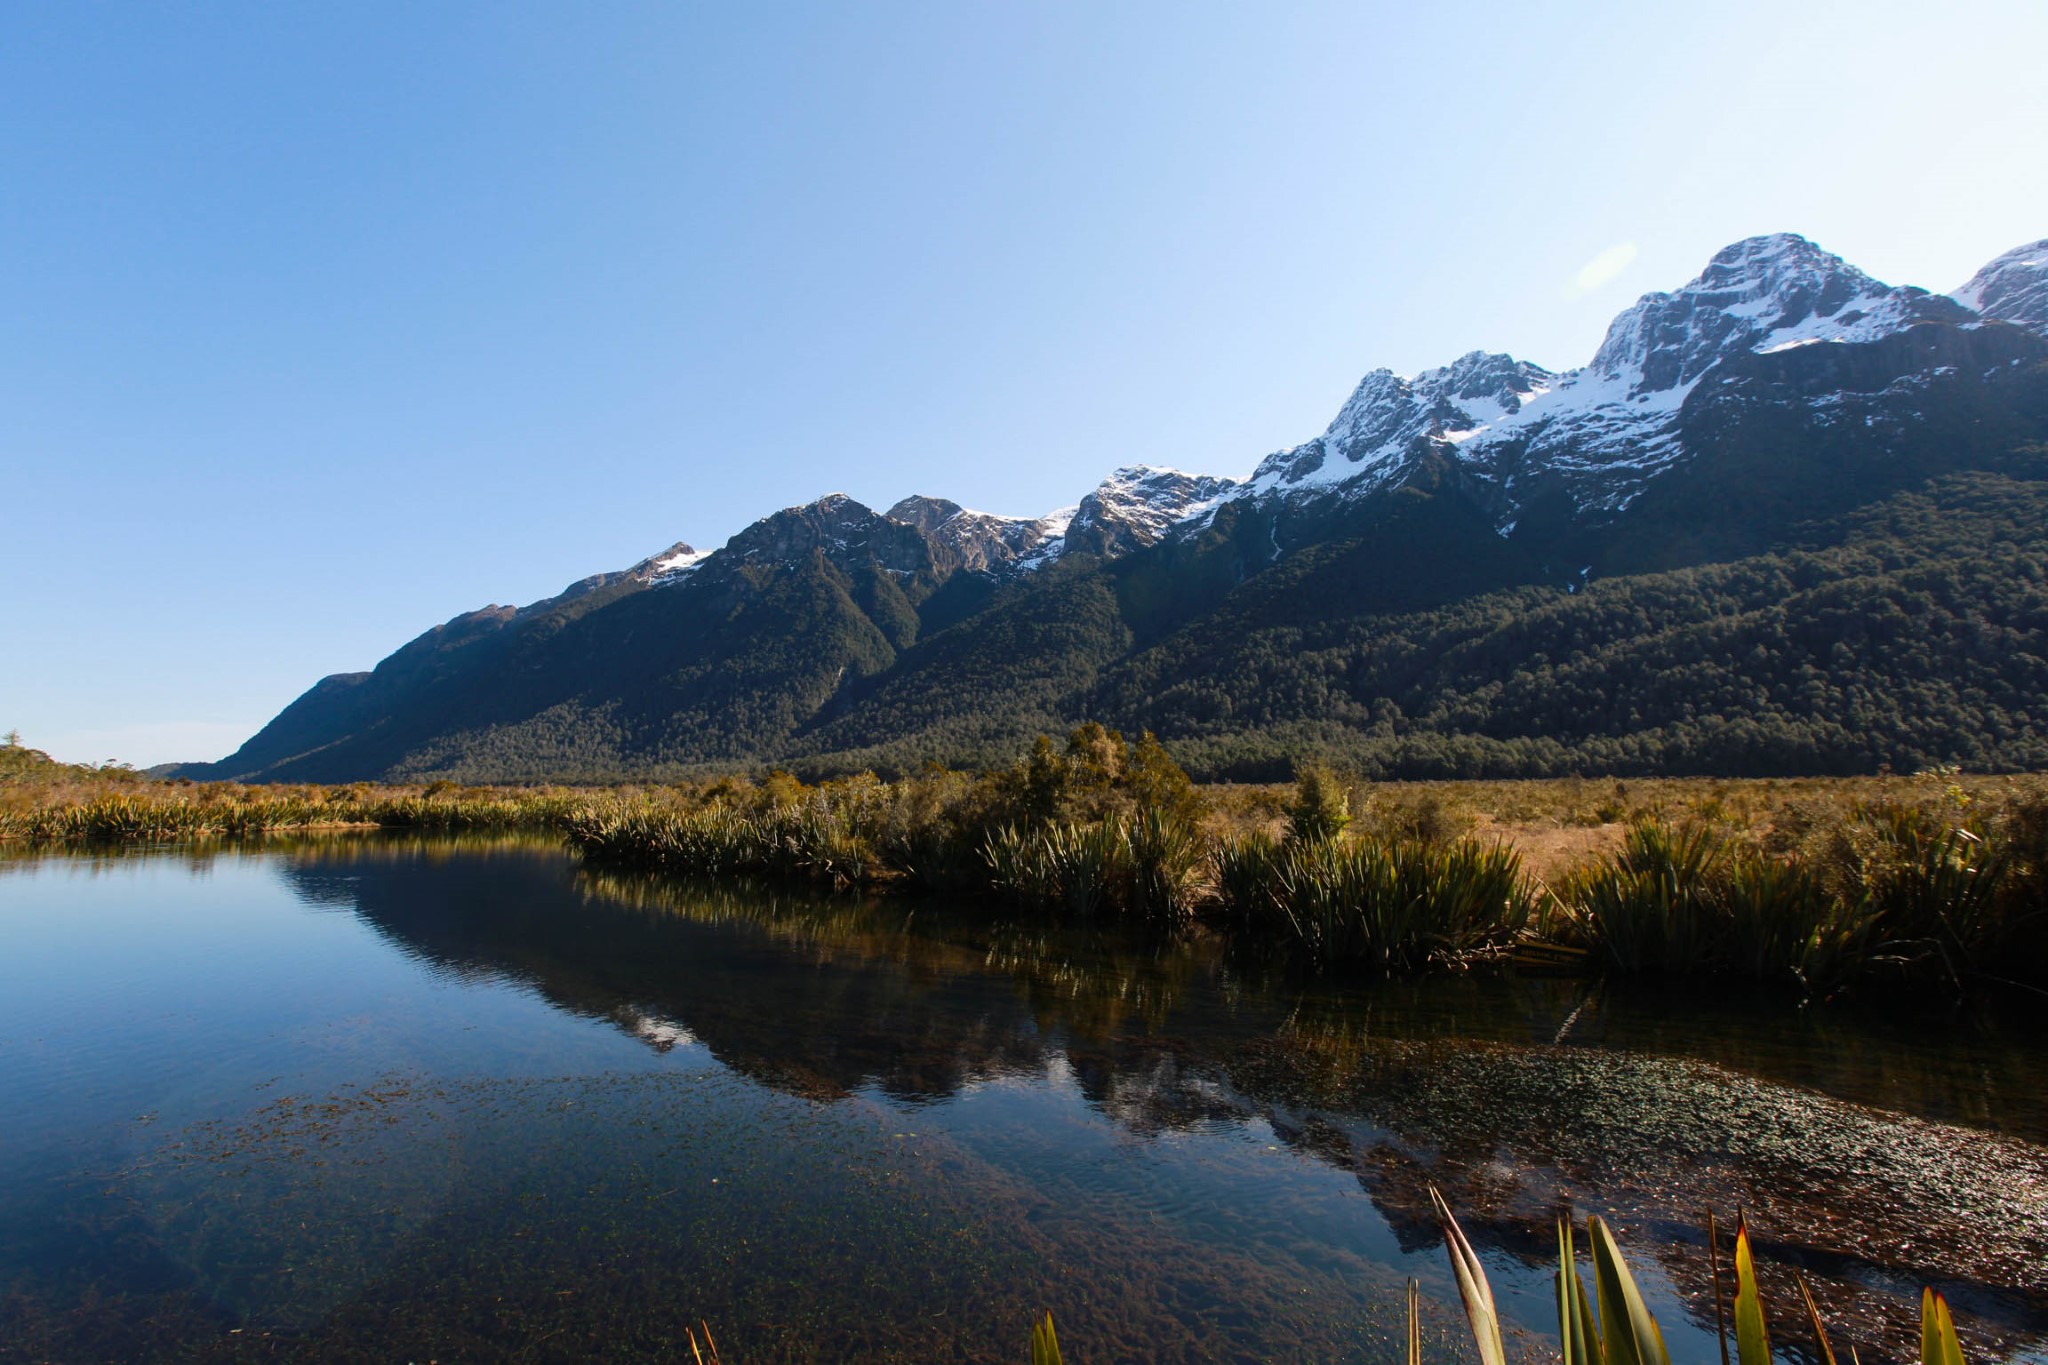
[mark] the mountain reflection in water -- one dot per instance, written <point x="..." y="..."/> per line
<point x="395" y="1098"/>
<point x="1876" y="1154"/>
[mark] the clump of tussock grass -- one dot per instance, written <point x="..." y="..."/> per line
<point x="808" y="840"/>
<point x="1896" y="892"/>
<point x="1148" y="865"/>
<point x="1385" y="905"/>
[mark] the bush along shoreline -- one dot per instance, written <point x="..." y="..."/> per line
<point x="1926" y="887"/>
<point x="1937" y="893"/>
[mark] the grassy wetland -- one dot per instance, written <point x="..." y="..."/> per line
<point x="1934" y="884"/>
<point x="1526" y="999"/>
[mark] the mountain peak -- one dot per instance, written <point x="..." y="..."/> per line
<point x="963" y="538"/>
<point x="1380" y="424"/>
<point x="1758" y="294"/>
<point x="1770" y="254"/>
<point x="672" y="563"/>
<point x="1602" y="432"/>
<point x="1133" y="507"/>
<point x="927" y="514"/>
<point x="2012" y="287"/>
<point x="844" y="531"/>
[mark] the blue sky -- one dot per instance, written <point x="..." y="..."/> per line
<point x="320" y="323"/>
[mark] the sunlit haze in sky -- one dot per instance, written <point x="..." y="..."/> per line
<point x="321" y="323"/>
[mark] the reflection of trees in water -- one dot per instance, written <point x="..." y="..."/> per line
<point x="1515" y="1096"/>
<point x="1090" y="980"/>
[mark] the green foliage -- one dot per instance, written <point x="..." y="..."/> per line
<point x="1653" y="908"/>
<point x="23" y="766"/>
<point x="1146" y="865"/>
<point x="1913" y="633"/>
<point x="1892" y="892"/>
<point x="1247" y="872"/>
<point x="814" y="839"/>
<point x="1096" y="774"/>
<point x="1578" y="1333"/>
<point x="1168" y="857"/>
<point x="1321" y="809"/>
<point x="129" y="810"/>
<point x="1752" y="1335"/>
<point x="1625" y="1331"/>
<point x="1473" y="1289"/>
<point x="1937" y="885"/>
<point x="1087" y="867"/>
<point x="1394" y="906"/>
<point x="1629" y="1334"/>
<point x="1939" y="1344"/>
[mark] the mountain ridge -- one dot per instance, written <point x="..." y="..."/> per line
<point x="1486" y="474"/>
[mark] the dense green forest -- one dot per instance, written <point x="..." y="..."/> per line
<point x="1909" y="634"/>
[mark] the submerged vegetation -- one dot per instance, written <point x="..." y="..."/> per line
<point x="1610" y="1324"/>
<point x="1935" y="882"/>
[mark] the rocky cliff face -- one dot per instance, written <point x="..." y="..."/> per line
<point x="980" y="542"/>
<point x="1133" y="507"/>
<point x="844" y="533"/>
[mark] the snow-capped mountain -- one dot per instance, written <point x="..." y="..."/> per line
<point x="1386" y="415"/>
<point x="978" y="541"/>
<point x="1127" y="511"/>
<point x="1130" y="510"/>
<point x="2012" y="288"/>
<point x="1780" y="391"/>
<point x="1602" y="432"/>
<point x="676" y="560"/>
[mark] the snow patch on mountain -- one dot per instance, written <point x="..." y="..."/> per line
<point x="666" y="566"/>
<point x="975" y="540"/>
<point x="1367" y="443"/>
<point x="1605" y="430"/>
<point x="679" y="560"/>
<point x="1128" y="511"/>
<point x="2012" y="288"/>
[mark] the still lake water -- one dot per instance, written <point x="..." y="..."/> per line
<point x="383" y="1099"/>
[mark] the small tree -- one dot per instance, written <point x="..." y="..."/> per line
<point x="1156" y="782"/>
<point x="1043" y="781"/>
<point x="1321" y="806"/>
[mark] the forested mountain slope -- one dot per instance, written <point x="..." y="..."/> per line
<point x="1790" y="519"/>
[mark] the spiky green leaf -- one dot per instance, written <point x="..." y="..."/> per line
<point x="1576" y="1332"/>
<point x="1472" y="1286"/>
<point x="1938" y="1342"/>
<point x="1628" y="1332"/>
<point x="1752" y="1337"/>
<point x="1045" y="1347"/>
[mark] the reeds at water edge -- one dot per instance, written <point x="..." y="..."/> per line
<point x="1944" y="896"/>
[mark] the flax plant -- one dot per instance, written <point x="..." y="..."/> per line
<point x="1612" y="1325"/>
